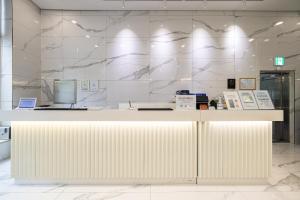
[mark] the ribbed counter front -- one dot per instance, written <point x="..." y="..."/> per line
<point x="124" y="146"/>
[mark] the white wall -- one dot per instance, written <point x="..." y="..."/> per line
<point x="6" y="56"/>
<point x="26" y="50"/>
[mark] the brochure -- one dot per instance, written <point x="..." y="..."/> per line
<point x="232" y="100"/>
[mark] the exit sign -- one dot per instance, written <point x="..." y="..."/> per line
<point x="279" y="61"/>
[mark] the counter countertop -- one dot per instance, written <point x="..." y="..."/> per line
<point x="133" y="115"/>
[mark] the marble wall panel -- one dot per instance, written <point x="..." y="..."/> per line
<point x="5" y="82"/>
<point x="83" y="48"/>
<point x="260" y="26"/>
<point x="170" y="68"/>
<point x="129" y="67"/>
<point x="127" y="26"/>
<point x="82" y="25"/>
<point x="148" y="55"/>
<point x="6" y="57"/>
<point x="51" y="47"/>
<point x="213" y="69"/>
<point x="87" y="69"/>
<point x="214" y="26"/>
<point x="26" y="70"/>
<point x="213" y="89"/>
<point x="123" y="91"/>
<point x="171" y="26"/>
<point x="51" y="23"/>
<point x="164" y="91"/>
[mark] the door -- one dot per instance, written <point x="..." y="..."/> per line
<point x="278" y="85"/>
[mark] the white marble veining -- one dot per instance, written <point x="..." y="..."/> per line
<point x="151" y="54"/>
<point x="26" y="68"/>
<point x="6" y="58"/>
<point x="283" y="185"/>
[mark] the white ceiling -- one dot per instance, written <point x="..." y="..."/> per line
<point x="270" y="5"/>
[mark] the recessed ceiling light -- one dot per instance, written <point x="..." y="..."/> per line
<point x="96" y="45"/>
<point x="123" y="4"/>
<point x="298" y="23"/>
<point x="266" y="40"/>
<point x="87" y="36"/>
<point x="74" y="21"/>
<point x="251" y="40"/>
<point x="182" y="46"/>
<point x="278" y="23"/>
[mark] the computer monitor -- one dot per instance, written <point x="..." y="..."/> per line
<point x="27" y="103"/>
<point x="65" y="92"/>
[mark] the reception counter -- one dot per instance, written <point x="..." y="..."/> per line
<point x="123" y="146"/>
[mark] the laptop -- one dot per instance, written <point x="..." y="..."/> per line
<point x="27" y="103"/>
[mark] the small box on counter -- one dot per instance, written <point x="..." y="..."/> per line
<point x="202" y="102"/>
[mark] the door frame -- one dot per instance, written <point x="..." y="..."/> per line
<point x="291" y="97"/>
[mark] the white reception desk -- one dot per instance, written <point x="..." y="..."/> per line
<point x="123" y="146"/>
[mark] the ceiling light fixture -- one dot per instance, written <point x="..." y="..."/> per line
<point x="278" y="23"/>
<point x="266" y="40"/>
<point x="74" y="21"/>
<point x="88" y="36"/>
<point x="251" y="39"/>
<point x="123" y="4"/>
<point x="298" y="23"/>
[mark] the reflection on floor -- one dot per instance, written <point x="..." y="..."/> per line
<point x="284" y="185"/>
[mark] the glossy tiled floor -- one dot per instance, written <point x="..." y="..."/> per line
<point x="284" y="185"/>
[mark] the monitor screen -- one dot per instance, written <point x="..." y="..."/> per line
<point x="65" y="91"/>
<point x="27" y="103"/>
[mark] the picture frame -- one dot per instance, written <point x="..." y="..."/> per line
<point x="247" y="84"/>
<point x="248" y="100"/>
<point x="232" y="100"/>
<point x="263" y="100"/>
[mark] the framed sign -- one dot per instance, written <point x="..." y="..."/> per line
<point x="247" y="84"/>
<point x="248" y="100"/>
<point x="263" y="100"/>
<point x="186" y="102"/>
<point x="232" y="100"/>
